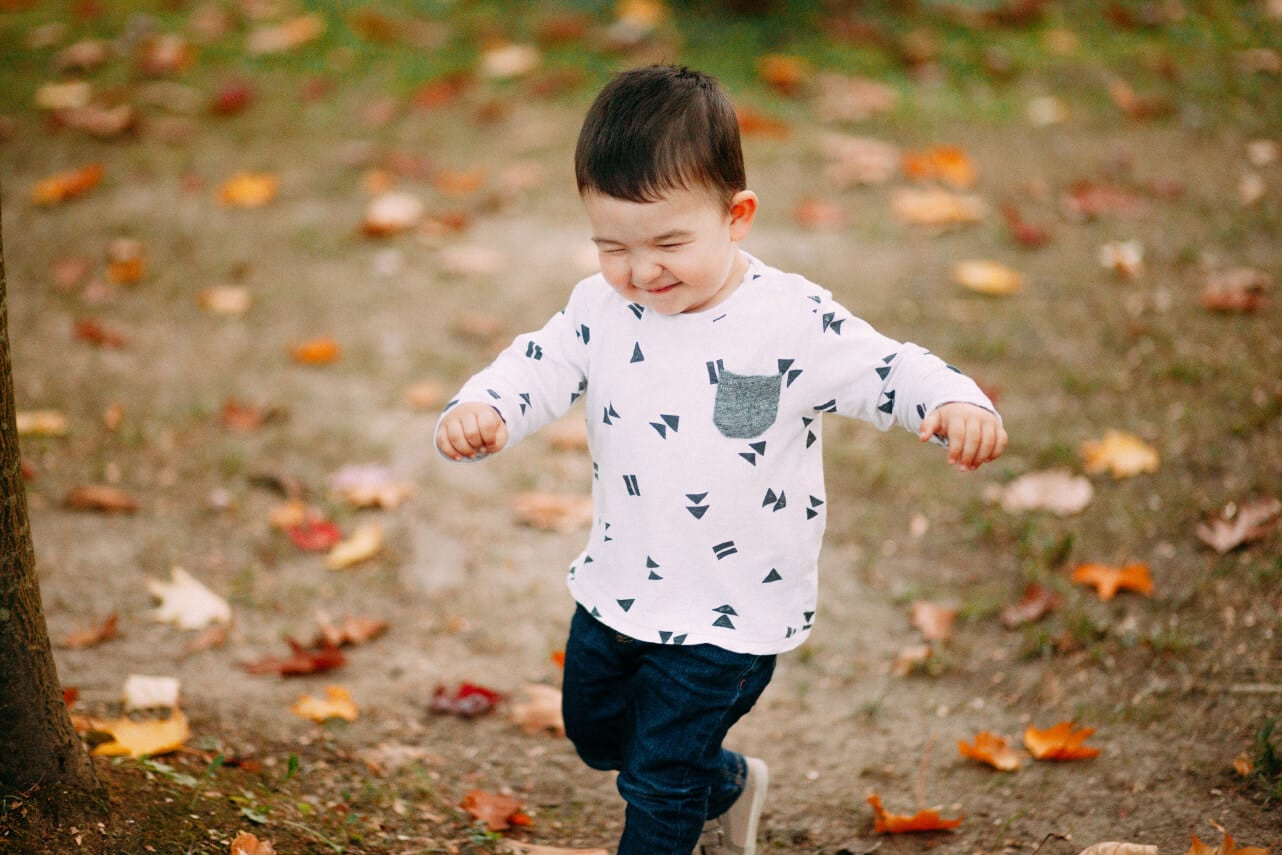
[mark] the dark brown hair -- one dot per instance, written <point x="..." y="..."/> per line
<point x="656" y="129"/>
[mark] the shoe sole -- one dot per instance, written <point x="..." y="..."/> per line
<point x="758" y="802"/>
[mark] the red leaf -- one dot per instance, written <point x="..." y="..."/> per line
<point x="1037" y="602"/>
<point x="96" y="334"/>
<point x="467" y="701"/>
<point x="233" y="96"/>
<point x="315" y="535"/>
<point x="303" y="661"/>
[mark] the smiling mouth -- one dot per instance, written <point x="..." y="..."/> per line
<point x="665" y="289"/>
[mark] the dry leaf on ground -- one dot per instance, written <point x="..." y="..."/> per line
<point x="1108" y="580"/>
<point x="1118" y="848"/>
<point x="1056" y="490"/>
<point x="337" y="703"/>
<point x="534" y="849"/>
<point x="349" y="631"/>
<point x="559" y="512"/>
<point x="1119" y="453"/>
<point x="370" y="486"/>
<point x="225" y="299"/>
<point x="947" y="163"/>
<point x="248" y="190"/>
<point x="1125" y="258"/>
<point x="938" y="208"/>
<point x="138" y="738"/>
<point x="100" y="497"/>
<point x="910" y="659"/>
<point x="1036" y="602"/>
<point x="42" y="423"/>
<point x="391" y="213"/>
<point x="314" y="534"/>
<point x="854" y="161"/>
<point x="1241" y="289"/>
<point x="301" y="662"/>
<point x="186" y="603"/>
<point x="1236" y="526"/>
<point x="322" y="350"/>
<point x="248" y="844"/>
<point x="538" y="710"/>
<point x="93" y="332"/>
<point x="286" y="36"/>
<point x="844" y="98"/>
<point x="364" y="544"/>
<point x="785" y="74"/>
<point x="498" y="812"/>
<point x="933" y="620"/>
<point x="95" y="635"/>
<point x="924" y="820"/>
<point x="467" y="701"/>
<point x="987" y="277"/>
<point x="63" y="186"/>
<point x="1061" y="742"/>
<point x="991" y="749"/>
<point x="1227" y="847"/>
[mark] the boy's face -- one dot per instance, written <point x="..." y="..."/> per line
<point x="676" y="255"/>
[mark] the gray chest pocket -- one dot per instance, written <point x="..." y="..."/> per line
<point x="747" y="404"/>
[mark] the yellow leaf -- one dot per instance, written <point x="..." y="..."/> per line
<point x="291" y="34"/>
<point x="938" y="208"/>
<point x="987" y="277"/>
<point x="136" y="738"/>
<point x="364" y="544"/>
<point x="1117" y="848"/>
<point x="41" y="423"/>
<point x="338" y="703"/>
<point x="248" y="190"/>
<point x="1119" y="453"/>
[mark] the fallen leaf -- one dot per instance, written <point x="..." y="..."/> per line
<point x="364" y="544"/>
<point x="291" y="513"/>
<point x="143" y="692"/>
<point x="286" y="36"/>
<point x="233" y="96"/>
<point x="142" y="738"/>
<point x="1085" y="200"/>
<point x="459" y="183"/>
<point x="854" y="161"/>
<point x="187" y="603"/>
<point x="426" y="395"/>
<point x="938" y="208"/>
<point x="947" y="163"/>
<point x="100" y="497"/>
<point x="41" y="423"/>
<point x="818" y="214"/>
<point x="370" y="486"/>
<point x="315" y="535"/>
<point x="68" y="95"/>
<point x="98" y="120"/>
<point x="1138" y="106"/>
<point x="498" y="812"/>
<point x="225" y="299"/>
<point x="885" y="822"/>
<point x="1117" y="848"/>
<point x="164" y="54"/>
<point x="991" y="749"/>
<point x="209" y="638"/>
<point x="1056" y="490"/>
<point x="933" y="620"/>
<point x="350" y="630"/>
<point x="391" y="213"/>
<point x="786" y="75"/>
<point x="1021" y="231"/>
<point x="247" y="418"/>
<point x="506" y="62"/>
<point x="93" y="332"/>
<point x="316" y="351"/>
<point x="910" y="659"/>
<point x="1241" y="289"/>
<point x="338" y="703"/>
<point x="62" y="186"/>
<point x="1108" y="580"/>
<point x="1226" y="847"/>
<point x="1061" y="742"/>
<point x="560" y="512"/>
<point x="248" y="190"/>
<point x="987" y="277"/>
<point x="539" y="710"/>
<point x="301" y="661"/>
<point x="1236" y="526"/>
<point x="468" y="700"/>
<point x="1046" y="110"/>
<point x="126" y="261"/>
<point x="1121" y="454"/>
<point x="84" y="55"/>
<point x="1125" y="258"/>
<point x="1036" y="602"/>
<point x="248" y="844"/>
<point x="95" y="635"/>
<point x="516" y="848"/>
<point x="843" y="98"/>
<point x="755" y="123"/>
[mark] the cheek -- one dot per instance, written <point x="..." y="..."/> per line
<point x="615" y="270"/>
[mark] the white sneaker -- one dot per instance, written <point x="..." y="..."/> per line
<point x="735" y="831"/>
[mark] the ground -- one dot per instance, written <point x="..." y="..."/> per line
<point x="1178" y="685"/>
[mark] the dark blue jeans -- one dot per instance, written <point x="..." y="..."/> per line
<point x="658" y="713"/>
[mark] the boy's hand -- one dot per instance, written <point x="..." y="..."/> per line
<point x="975" y="435"/>
<point x="469" y="430"/>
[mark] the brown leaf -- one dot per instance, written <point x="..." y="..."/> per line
<point x="350" y="630"/>
<point x="248" y="844"/>
<point x="1056" y="490"/>
<point x="787" y="75"/>
<point x="539" y="710"/>
<point x="233" y="96"/>
<point x="138" y="738"/>
<point x="558" y="512"/>
<point x="910" y="659"/>
<point x="843" y="98"/>
<point x="498" y="812"/>
<point x="302" y="661"/>
<point x="938" y="208"/>
<point x="100" y="497"/>
<point x="1236" y="526"/>
<point x="1120" y="453"/>
<point x="93" y="332"/>
<point x="1242" y="289"/>
<point x="95" y="635"/>
<point x="126" y="261"/>
<point x="933" y="620"/>
<point x="63" y="186"/>
<point x="1085" y="200"/>
<point x="755" y="123"/>
<point x="1036" y="602"/>
<point x="163" y="55"/>
<point x="1021" y="231"/>
<point x="248" y="190"/>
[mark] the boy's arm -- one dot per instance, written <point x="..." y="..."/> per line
<point x="471" y="430"/>
<point x="974" y="435"/>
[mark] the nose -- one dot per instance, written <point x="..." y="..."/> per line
<point x="645" y="271"/>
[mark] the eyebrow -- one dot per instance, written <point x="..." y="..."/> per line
<point x="675" y="234"/>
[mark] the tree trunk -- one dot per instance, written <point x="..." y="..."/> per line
<point x="43" y="763"/>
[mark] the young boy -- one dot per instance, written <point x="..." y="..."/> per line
<point x="705" y="373"/>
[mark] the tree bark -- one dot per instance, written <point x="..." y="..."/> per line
<point x="42" y="760"/>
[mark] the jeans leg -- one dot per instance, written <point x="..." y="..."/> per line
<point x="686" y="699"/>
<point x="595" y="690"/>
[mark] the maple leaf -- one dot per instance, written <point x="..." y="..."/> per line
<point x="559" y="512"/>
<point x="1108" y="580"/>
<point x="933" y="620"/>
<point x="303" y="661"/>
<point x="540" y="710"/>
<point x="100" y="497"/>
<point x="1236" y="526"/>
<point x="249" y="844"/>
<point x="987" y="277"/>
<point x="95" y="635"/>
<point x="337" y="703"/>
<point x="1119" y="453"/>
<point x="63" y="186"/>
<point x="946" y="163"/>
<point x="1061" y="742"/>
<point x="316" y="351"/>
<point x="364" y="544"/>
<point x="142" y="738"/>
<point x="1227" y="847"/>
<point x="349" y="631"/>
<point x="885" y="822"/>
<point x="186" y="603"/>
<point x="1056" y="490"/>
<point x="467" y="701"/>
<point x="1036" y="602"/>
<point x="991" y="749"/>
<point x="144" y="692"/>
<point x="498" y="812"/>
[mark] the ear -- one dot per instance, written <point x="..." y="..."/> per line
<point x="743" y="210"/>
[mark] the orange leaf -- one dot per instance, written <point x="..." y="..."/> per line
<point x="946" y="163"/>
<point x="991" y="749"/>
<point x="754" y="123"/>
<point x="94" y="333"/>
<point x="100" y="497"/>
<point x="248" y="190"/>
<point x="126" y="261"/>
<point x="316" y="351"/>
<point x="1226" y="847"/>
<point x="249" y="844"/>
<point x="94" y="636"/>
<point x="1119" y="453"/>
<point x="62" y="186"/>
<point x="1060" y="742"/>
<point x="987" y="277"/>
<point x="923" y="820"/>
<point x="337" y="704"/>
<point x="1109" y="580"/>
<point x="934" y="621"/>
<point x="785" y="74"/>
<point x="498" y="812"/>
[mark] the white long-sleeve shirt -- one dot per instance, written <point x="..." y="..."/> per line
<point x="708" y="488"/>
